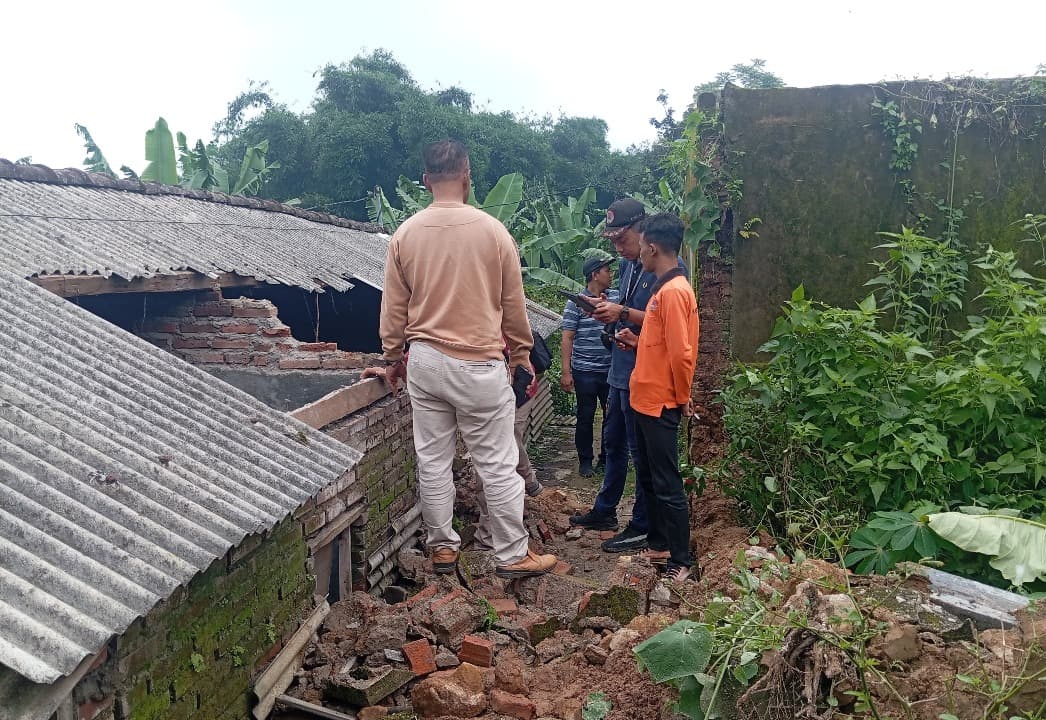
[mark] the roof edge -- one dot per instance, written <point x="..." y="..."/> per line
<point x="75" y="177"/>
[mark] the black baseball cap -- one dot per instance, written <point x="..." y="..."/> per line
<point x="593" y="264"/>
<point x="621" y="215"/>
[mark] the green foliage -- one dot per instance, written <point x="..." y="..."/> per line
<point x="748" y="75"/>
<point x="197" y="663"/>
<point x="848" y="418"/>
<point x="1017" y="545"/>
<point x="902" y="130"/>
<point x="95" y="160"/>
<point x="491" y="618"/>
<point x="370" y="120"/>
<point x="236" y="653"/>
<point x="597" y="706"/>
<point x="922" y="281"/>
<point x="159" y="155"/>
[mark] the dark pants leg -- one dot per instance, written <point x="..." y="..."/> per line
<point x="667" y="509"/>
<point x="620" y="442"/>
<point x="590" y="387"/>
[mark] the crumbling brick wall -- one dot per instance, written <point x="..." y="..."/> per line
<point x="196" y="653"/>
<point x="208" y="329"/>
<point x="383" y="432"/>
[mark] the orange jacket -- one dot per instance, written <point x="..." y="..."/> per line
<point x="667" y="352"/>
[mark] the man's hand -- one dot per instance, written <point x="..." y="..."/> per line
<point x="373" y="372"/>
<point x="626" y="339"/>
<point x="689" y="409"/>
<point x="393" y="374"/>
<point x="606" y="311"/>
<point x="566" y="381"/>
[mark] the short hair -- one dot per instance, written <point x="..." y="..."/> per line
<point x="664" y="230"/>
<point x="445" y="159"/>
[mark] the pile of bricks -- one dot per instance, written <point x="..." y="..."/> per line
<point x="211" y="330"/>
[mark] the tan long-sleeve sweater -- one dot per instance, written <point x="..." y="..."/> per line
<point x="453" y="279"/>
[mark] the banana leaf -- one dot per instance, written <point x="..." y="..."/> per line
<point x="504" y="198"/>
<point x="544" y="276"/>
<point x="95" y="160"/>
<point x="1017" y="545"/>
<point x="159" y="154"/>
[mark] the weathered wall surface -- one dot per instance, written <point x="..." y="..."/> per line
<point x="815" y="164"/>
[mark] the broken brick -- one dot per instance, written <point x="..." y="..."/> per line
<point x="420" y="656"/>
<point x="212" y="309"/>
<point x="424" y="594"/>
<point x="277" y="332"/>
<point x="477" y="651"/>
<point x="516" y="706"/>
<point x="317" y="346"/>
<point x="563" y="568"/>
<point x="504" y="606"/>
<point x="254" y="312"/>
<point x="546" y="534"/>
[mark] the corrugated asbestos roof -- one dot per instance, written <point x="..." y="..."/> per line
<point x="124" y="471"/>
<point x="72" y="222"/>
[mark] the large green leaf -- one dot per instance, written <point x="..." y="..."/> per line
<point x="253" y="170"/>
<point x="159" y="154"/>
<point x="544" y="276"/>
<point x="504" y="198"/>
<point x="680" y="650"/>
<point x="1018" y="545"/>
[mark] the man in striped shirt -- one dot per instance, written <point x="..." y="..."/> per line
<point x="586" y="360"/>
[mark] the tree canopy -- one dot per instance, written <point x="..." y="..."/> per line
<point x="370" y="119"/>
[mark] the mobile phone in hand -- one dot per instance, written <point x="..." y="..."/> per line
<point x="521" y="379"/>
<point x="582" y="302"/>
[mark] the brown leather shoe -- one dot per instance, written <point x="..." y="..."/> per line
<point x="530" y="566"/>
<point x="444" y="560"/>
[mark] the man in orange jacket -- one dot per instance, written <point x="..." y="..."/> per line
<point x="666" y="355"/>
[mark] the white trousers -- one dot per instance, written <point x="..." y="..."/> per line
<point x="474" y="398"/>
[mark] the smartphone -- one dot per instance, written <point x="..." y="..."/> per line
<point x="583" y="302"/>
<point x="521" y="379"/>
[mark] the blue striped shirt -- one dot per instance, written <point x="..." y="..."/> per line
<point x="588" y="354"/>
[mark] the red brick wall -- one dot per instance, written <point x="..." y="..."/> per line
<point x="208" y="329"/>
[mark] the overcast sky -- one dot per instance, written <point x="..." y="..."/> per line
<point x="116" y="66"/>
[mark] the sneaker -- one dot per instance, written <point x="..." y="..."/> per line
<point x="675" y="574"/>
<point x="444" y="560"/>
<point x="530" y="566"/>
<point x="627" y="539"/>
<point x="594" y="521"/>
<point x="585" y="469"/>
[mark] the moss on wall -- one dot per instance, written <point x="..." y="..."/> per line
<point x="815" y="164"/>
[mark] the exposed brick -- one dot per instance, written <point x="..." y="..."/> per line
<point x="449" y="597"/>
<point x="504" y="606"/>
<point x="197" y="327"/>
<point x="317" y="346"/>
<point x="181" y="343"/>
<point x="299" y="363"/>
<point x="254" y="312"/>
<point x="260" y="360"/>
<point x="238" y="328"/>
<point x="342" y="363"/>
<point x="238" y="358"/>
<point x="262" y="346"/>
<point x="516" y="706"/>
<point x="277" y="332"/>
<point x="425" y="593"/>
<point x="420" y="656"/>
<point x="228" y="344"/>
<point x="546" y="534"/>
<point x="212" y="309"/>
<point x="476" y="650"/>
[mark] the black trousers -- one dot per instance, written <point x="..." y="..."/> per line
<point x="591" y="387"/>
<point x="668" y="515"/>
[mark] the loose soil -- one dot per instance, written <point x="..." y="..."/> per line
<point x="561" y="670"/>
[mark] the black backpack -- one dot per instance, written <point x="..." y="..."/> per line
<point x="540" y="357"/>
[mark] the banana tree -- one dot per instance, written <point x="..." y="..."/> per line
<point x="561" y="239"/>
<point x="502" y="201"/>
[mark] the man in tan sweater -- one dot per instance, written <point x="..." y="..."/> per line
<point x="454" y="294"/>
